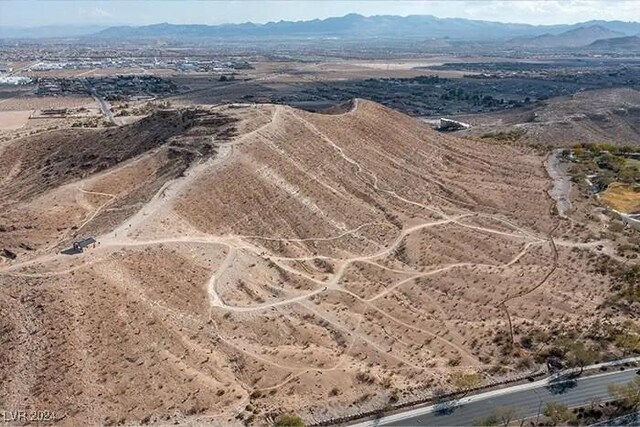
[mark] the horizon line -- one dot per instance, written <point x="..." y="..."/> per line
<point x="78" y="24"/>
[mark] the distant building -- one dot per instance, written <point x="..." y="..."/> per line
<point x="14" y="80"/>
<point x="448" y="125"/>
<point x="54" y="112"/>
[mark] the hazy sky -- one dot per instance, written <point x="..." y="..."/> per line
<point x="22" y="13"/>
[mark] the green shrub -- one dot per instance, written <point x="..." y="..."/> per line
<point x="289" y="420"/>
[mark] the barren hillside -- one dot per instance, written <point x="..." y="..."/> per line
<point x="599" y="116"/>
<point x="52" y="180"/>
<point x="289" y="261"/>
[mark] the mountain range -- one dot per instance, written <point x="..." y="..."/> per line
<point x="358" y="26"/>
<point x="352" y="26"/>
<point x="49" y="31"/>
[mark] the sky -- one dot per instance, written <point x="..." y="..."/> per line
<point x="30" y="13"/>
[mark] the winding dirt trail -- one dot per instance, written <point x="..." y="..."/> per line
<point x="554" y="267"/>
<point x="163" y="201"/>
<point x="96" y="212"/>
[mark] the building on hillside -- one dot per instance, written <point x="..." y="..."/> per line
<point x="448" y="125"/>
<point x="80" y="245"/>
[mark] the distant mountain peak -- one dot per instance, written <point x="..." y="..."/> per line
<point x="575" y="37"/>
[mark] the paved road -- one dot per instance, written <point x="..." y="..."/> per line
<point x="104" y="105"/>
<point x="529" y="399"/>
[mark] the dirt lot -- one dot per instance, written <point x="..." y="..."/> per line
<point x="12" y="120"/>
<point x="331" y="71"/>
<point x="21" y="103"/>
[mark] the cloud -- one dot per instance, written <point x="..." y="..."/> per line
<point x="95" y="13"/>
<point x="552" y="11"/>
<point x="137" y="12"/>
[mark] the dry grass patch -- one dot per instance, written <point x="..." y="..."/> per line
<point x="622" y="197"/>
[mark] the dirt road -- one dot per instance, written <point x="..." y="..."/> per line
<point x="561" y="182"/>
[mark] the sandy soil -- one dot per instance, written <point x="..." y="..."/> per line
<point x="345" y="69"/>
<point x="12" y="120"/>
<point x="21" y="103"/>
<point x="596" y="116"/>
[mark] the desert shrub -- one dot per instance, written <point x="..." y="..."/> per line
<point x="627" y="395"/>
<point x="526" y="342"/>
<point x="323" y="265"/>
<point x="616" y="226"/>
<point x="401" y="253"/>
<point x="627" y="286"/>
<point x="500" y="416"/>
<point x="631" y="275"/>
<point x="559" y="413"/>
<point x="464" y="382"/>
<point x="503" y="137"/>
<point x="629" y="174"/>
<point x="628" y="342"/>
<point x="289" y="420"/>
<point x="580" y="355"/>
<point x="365" y="378"/>
<point x="454" y="361"/>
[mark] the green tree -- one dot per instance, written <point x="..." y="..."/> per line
<point x="464" y="382"/>
<point x="628" y="341"/>
<point x="629" y="174"/>
<point x="488" y="421"/>
<point x="289" y="420"/>
<point x="627" y="394"/>
<point x="559" y="413"/>
<point x="579" y="355"/>
<point x="500" y="416"/>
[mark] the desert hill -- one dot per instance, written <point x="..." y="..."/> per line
<point x="577" y="37"/>
<point x="65" y="155"/>
<point x="325" y="264"/>
<point x="52" y="167"/>
<point x="624" y="44"/>
<point x="600" y="116"/>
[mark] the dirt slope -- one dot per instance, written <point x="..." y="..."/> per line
<point x="51" y="179"/>
<point x="323" y="264"/>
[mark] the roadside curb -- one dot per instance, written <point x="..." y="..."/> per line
<point x="391" y="409"/>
